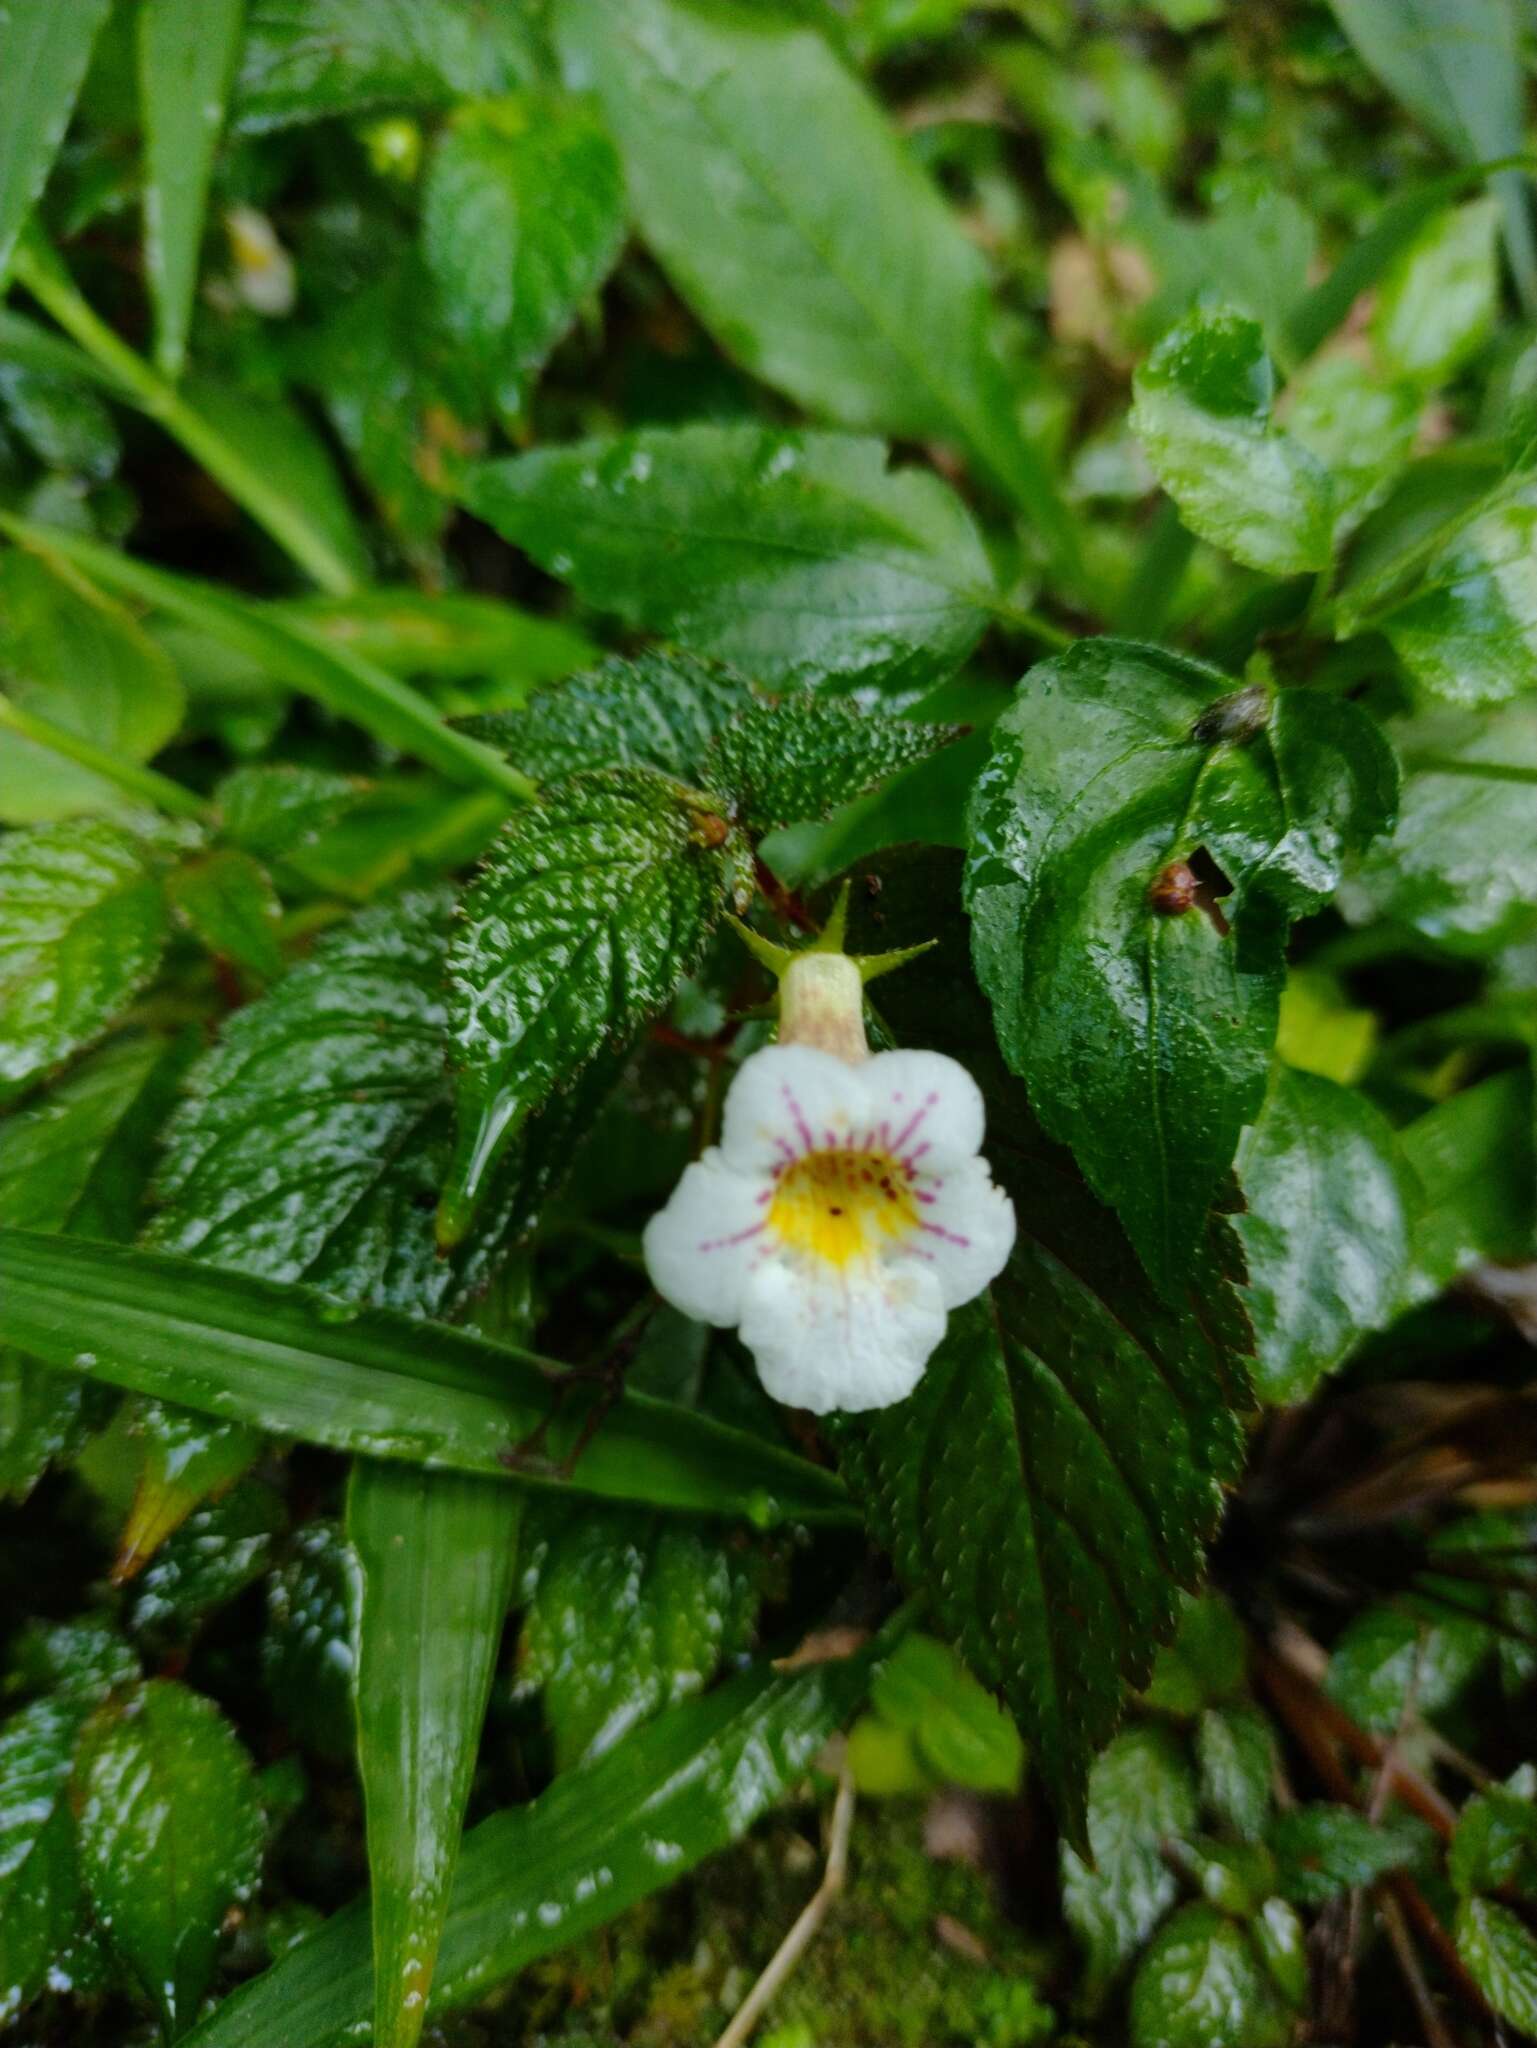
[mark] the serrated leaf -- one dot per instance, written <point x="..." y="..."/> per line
<point x="522" y="219"/>
<point x="436" y="1554"/>
<point x="590" y="908"/>
<point x="1203" y="413"/>
<point x="44" y="51"/>
<point x="803" y="756"/>
<point x="40" y="1898"/>
<point x="752" y="155"/>
<point x="1141" y="1029"/>
<point x="1141" y="1794"/>
<point x="1329" y="1210"/>
<point x="1200" y="1982"/>
<point x="1323" y="1850"/>
<point x="1052" y="1481"/>
<point x="75" y="658"/>
<point x="628" y="1615"/>
<point x="82" y="927"/>
<point x="229" y="901"/>
<point x="275" y="808"/>
<point x="1440" y="299"/>
<point x="187" y="54"/>
<point x="1468" y="634"/>
<point x="800" y="557"/>
<point x="1499" y="1949"/>
<point x="309" y="1649"/>
<point x="223" y="1546"/>
<point x="659" y="710"/>
<point x="1461" y="867"/>
<point x="1236" y="1752"/>
<point x="170" y="1836"/>
<point x="956" y="1726"/>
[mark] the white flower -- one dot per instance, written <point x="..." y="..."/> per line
<point x="843" y="1213"/>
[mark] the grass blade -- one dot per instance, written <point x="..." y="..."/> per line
<point x="44" y="49"/>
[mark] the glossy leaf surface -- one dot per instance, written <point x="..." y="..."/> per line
<point x="40" y="1897"/>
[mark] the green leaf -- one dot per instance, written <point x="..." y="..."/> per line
<point x="1501" y="1952"/>
<point x="1141" y="1029"/>
<point x="800" y="557"/>
<point x="44" y="1418"/>
<point x="170" y="1836"/>
<point x="522" y="220"/>
<point x="308" y="60"/>
<point x="645" y="1813"/>
<point x="44" y="50"/>
<point x="223" y="1546"/>
<point x="75" y="1159"/>
<point x="958" y="1728"/>
<point x="1474" y="1157"/>
<point x="1461" y="869"/>
<point x="1324" y="1850"/>
<point x="436" y="1554"/>
<point x="590" y="908"/>
<point x="1051" y="1483"/>
<point x="309" y="1650"/>
<point x="229" y="901"/>
<point x="82" y="927"/>
<point x="1202" y="412"/>
<point x="804" y="235"/>
<point x="1468" y="633"/>
<point x="276" y="808"/>
<point x="1330" y="1205"/>
<point x="1358" y="424"/>
<point x="1439" y="301"/>
<point x="292" y="652"/>
<point x="1390" y="1655"/>
<point x="659" y="710"/>
<point x="1200" y="1982"/>
<point x="300" y="1364"/>
<point x="1456" y="65"/>
<point x="804" y="756"/>
<point x="454" y="635"/>
<point x="187" y="1458"/>
<point x="628" y="1615"/>
<point x="1141" y="1795"/>
<point x="1204" y="1662"/>
<point x="1235" y="1750"/>
<point x="187" y="55"/>
<point x="1495" y="1846"/>
<point x="72" y="656"/>
<point x="40" y="1899"/>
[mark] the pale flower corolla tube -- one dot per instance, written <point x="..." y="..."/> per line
<point x="844" y="1212"/>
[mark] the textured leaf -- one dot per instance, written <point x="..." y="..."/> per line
<point x="1474" y="1158"/>
<point x="71" y="656"/>
<point x="590" y="908"/>
<point x="309" y="1650"/>
<point x="1469" y="632"/>
<point x="1051" y="1483"/>
<point x="76" y="1158"/>
<point x="300" y="1364"/>
<point x="1235" y="1749"/>
<point x="82" y="928"/>
<point x="527" y="1881"/>
<point x="170" y="1836"/>
<point x="187" y="55"/>
<point x="44" y="1417"/>
<point x="275" y="808"/>
<point x="1141" y="1795"/>
<point x="1495" y="1846"/>
<point x="1387" y="1656"/>
<point x="1500" y="1950"/>
<point x="958" y="1728"/>
<point x="307" y="60"/>
<point x="1141" y="1029"/>
<point x="44" y="49"/>
<point x="790" y="217"/>
<point x="436" y="1554"/>
<point x="628" y="1615"/>
<point x="229" y="901"/>
<point x="1322" y="1851"/>
<point x="40" y="1901"/>
<point x="1461" y="869"/>
<point x="1326" y="1228"/>
<point x="1440" y="299"/>
<point x="1201" y="1982"/>
<point x="804" y="756"/>
<point x="522" y="219"/>
<point x="660" y="711"/>
<point x="800" y="557"/>
<point x="223" y="1546"/>
<point x="187" y="1458"/>
<point x="1202" y="412"/>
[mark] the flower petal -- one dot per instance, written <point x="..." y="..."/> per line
<point x="925" y="1108"/>
<point x="701" y="1248"/>
<point x="966" y="1230"/>
<point x="852" y="1339"/>
<point x="788" y="1100"/>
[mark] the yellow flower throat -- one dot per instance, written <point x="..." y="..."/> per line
<point x="840" y="1206"/>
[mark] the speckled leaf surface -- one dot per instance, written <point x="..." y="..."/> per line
<point x="1141" y="1029"/>
<point x="529" y="1878"/>
<point x="799" y="557"/>
<point x="659" y="710"/>
<point x="1053" y="1481"/>
<point x="170" y="1835"/>
<point x="590" y="907"/>
<point x="1498" y="1947"/>
<point x="40" y="1896"/>
<point x="1202" y="1981"/>
<point x="82" y="927"/>
<point x="1330" y="1205"/>
<point x="803" y="757"/>
<point x="1203" y="413"/>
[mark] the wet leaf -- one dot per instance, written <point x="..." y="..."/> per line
<point x="1235" y="1749"/>
<point x="1501" y="1952"/>
<point x="275" y="808"/>
<point x="1201" y="1981"/>
<point x="170" y="1835"/>
<point x="800" y="557"/>
<point x="309" y="1650"/>
<point x="804" y="756"/>
<point x="1495" y="1846"/>
<point x="188" y="1457"/>
<point x="223" y="1546"/>
<point x="1323" y="1851"/>
<point x="1141" y="1794"/>
<point x="230" y="903"/>
<point x="75" y="1159"/>
<point x="40" y="1899"/>
<point x="1468" y="634"/>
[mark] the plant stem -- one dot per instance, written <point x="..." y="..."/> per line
<point x="129" y="776"/>
<point x="1023" y="620"/>
<point x="46" y="279"/>
<point x="1489" y="771"/>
